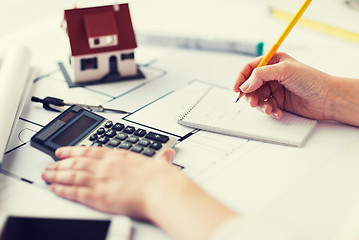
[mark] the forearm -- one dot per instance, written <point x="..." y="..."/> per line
<point x="184" y="210"/>
<point x="344" y="104"/>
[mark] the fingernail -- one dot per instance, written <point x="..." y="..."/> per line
<point x="53" y="188"/>
<point x="274" y="114"/>
<point x="50" y="166"/>
<point x="61" y="152"/>
<point x="45" y="175"/>
<point x="170" y="154"/>
<point x="244" y="86"/>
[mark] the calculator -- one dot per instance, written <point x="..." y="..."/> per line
<point x="77" y="126"/>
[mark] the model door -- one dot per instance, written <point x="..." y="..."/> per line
<point x="113" y="65"/>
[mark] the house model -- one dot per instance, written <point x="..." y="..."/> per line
<point x="102" y="43"/>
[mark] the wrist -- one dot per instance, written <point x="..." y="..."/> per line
<point x="343" y="100"/>
<point x="178" y="206"/>
<point x="159" y="187"/>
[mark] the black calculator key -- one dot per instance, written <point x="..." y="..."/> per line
<point x="97" y="144"/>
<point x="144" y="142"/>
<point x="103" y="139"/>
<point x="93" y="137"/>
<point x="101" y="131"/>
<point x="149" y="152"/>
<point x="122" y="136"/>
<point x="137" y="149"/>
<point x="118" y="126"/>
<point x="156" y="145"/>
<point x="140" y="132"/>
<point x="114" y="142"/>
<point x="110" y="133"/>
<point x="157" y="137"/>
<point x="129" y="129"/>
<point x="132" y="139"/>
<point x="109" y="124"/>
<point x="125" y="145"/>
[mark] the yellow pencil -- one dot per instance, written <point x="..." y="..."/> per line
<point x="284" y="34"/>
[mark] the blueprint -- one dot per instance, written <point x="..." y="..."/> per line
<point x="245" y="175"/>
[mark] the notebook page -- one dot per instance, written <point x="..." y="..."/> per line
<point x="218" y="112"/>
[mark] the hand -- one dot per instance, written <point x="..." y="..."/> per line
<point x="124" y="182"/>
<point x="113" y="181"/>
<point x="285" y="84"/>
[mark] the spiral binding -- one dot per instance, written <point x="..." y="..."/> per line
<point x="191" y="107"/>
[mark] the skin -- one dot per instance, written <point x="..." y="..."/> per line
<point x="123" y="182"/>
<point x="286" y="84"/>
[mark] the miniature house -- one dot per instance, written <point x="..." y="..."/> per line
<point x="102" y="42"/>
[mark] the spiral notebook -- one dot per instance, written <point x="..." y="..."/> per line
<point x="216" y="111"/>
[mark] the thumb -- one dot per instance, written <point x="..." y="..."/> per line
<point x="261" y="75"/>
<point x="166" y="156"/>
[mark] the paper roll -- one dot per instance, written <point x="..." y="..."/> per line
<point x="13" y="81"/>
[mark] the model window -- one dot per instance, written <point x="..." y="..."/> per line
<point x="96" y="41"/>
<point x="125" y="56"/>
<point x="88" y="63"/>
<point x="110" y="40"/>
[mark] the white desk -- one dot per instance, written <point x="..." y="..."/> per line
<point x="244" y="175"/>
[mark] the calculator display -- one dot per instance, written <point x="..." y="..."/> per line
<point x="74" y="130"/>
<point x="67" y="129"/>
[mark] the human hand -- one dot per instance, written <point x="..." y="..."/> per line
<point x="285" y="84"/>
<point x="124" y="182"/>
<point x="113" y="181"/>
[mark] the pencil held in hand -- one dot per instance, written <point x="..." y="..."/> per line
<point x="281" y="38"/>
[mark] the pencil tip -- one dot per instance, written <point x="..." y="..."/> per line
<point x="237" y="99"/>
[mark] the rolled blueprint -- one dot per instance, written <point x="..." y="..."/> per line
<point x="14" y="80"/>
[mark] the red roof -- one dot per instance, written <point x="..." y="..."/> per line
<point x="100" y="24"/>
<point x="99" y="21"/>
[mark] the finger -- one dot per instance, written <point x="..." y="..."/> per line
<point x="276" y="113"/>
<point x="75" y="163"/>
<point x="263" y="74"/>
<point x="267" y="73"/>
<point x="273" y="102"/>
<point x="68" y="177"/>
<point x="166" y="156"/>
<point x="265" y="107"/>
<point x="95" y="152"/>
<point x="245" y="73"/>
<point x="252" y="99"/>
<point x="264" y="92"/>
<point x="84" y="195"/>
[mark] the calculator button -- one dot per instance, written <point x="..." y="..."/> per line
<point x="118" y="126"/>
<point x="93" y="137"/>
<point x="157" y="137"/>
<point x="125" y="145"/>
<point x="103" y="139"/>
<point x="110" y="133"/>
<point x="144" y="142"/>
<point x="97" y="144"/>
<point x="156" y="145"/>
<point x="129" y="129"/>
<point x="132" y="139"/>
<point x="149" y="152"/>
<point x="140" y="132"/>
<point x="101" y="131"/>
<point x="109" y="124"/>
<point x="122" y="136"/>
<point x="137" y="149"/>
<point x="114" y="142"/>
